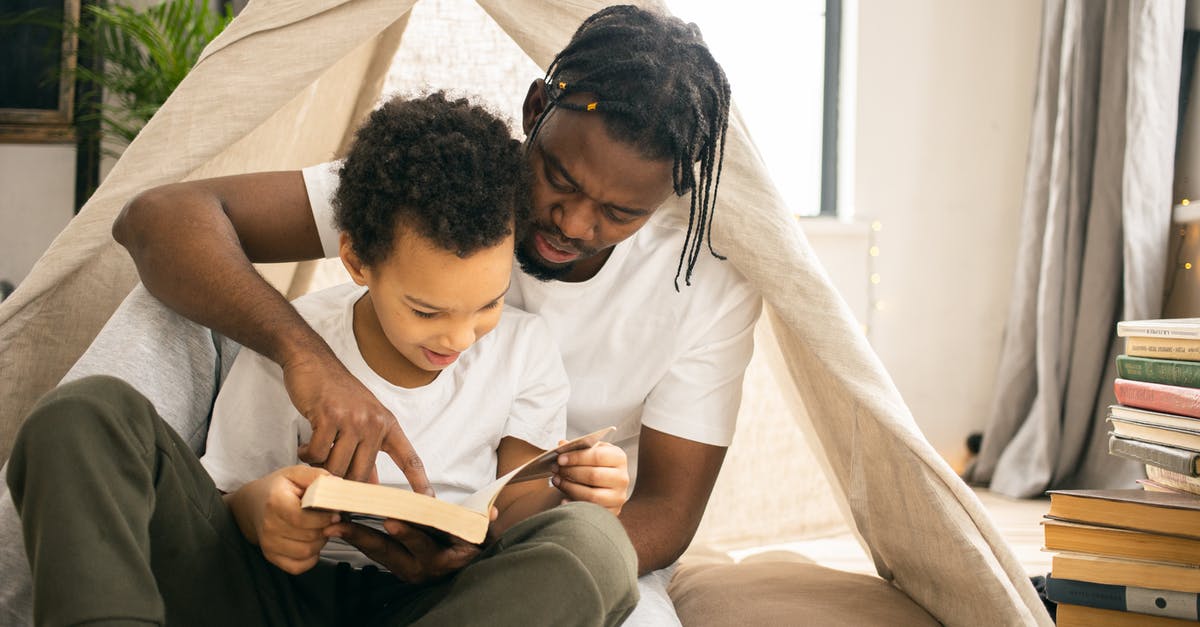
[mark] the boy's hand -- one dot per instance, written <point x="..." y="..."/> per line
<point x="269" y="514"/>
<point x="409" y="553"/>
<point x="599" y="475"/>
<point x="350" y="426"/>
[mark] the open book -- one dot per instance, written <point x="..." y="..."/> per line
<point x="468" y="521"/>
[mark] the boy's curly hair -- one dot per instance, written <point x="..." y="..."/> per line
<point x="446" y="168"/>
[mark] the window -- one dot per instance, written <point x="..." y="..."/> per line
<point x="782" y="58"/>
<point x="783" y="64"/>
<point x="36" y="88"/>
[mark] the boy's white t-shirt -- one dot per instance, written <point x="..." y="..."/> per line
<point x="510" y="383"/>
<point x="637" y="352"/>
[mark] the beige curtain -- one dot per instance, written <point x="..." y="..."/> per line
<point x="281" y="88"/>
<point x="1096" y="213"/>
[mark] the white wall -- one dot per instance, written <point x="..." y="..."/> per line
<point x="37" y="199"/>
<point x="944" y="105"/>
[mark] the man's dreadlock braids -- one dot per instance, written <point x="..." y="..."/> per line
<point x="661" y="91"/>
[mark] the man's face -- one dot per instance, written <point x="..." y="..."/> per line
<point x="590" y="192"/>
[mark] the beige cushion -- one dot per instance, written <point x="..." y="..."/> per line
<point x="788" y="593"/>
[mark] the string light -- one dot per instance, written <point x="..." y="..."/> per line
<point x="873" y="278"/>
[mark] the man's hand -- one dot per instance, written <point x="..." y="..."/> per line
<point x="409" y="553"/>
<point x="350" y="426"/>
<point x="269" y="514"/>
<point x="599" y="475"/>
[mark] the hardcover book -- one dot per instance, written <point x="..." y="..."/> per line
<point x="1168" y="327"/>
<point x="1156" y="418"/>
<point x="1170" y="458"/>
<point x="468" y="520"/>
<point x="1155" y="512"/>
<point x="1158" y="432"/>
<point x="1169" y="399"/>
<point x="1113" y="542"/>
<point x="1167" y="603"/>
<point x="1186" y="349"/>
<point x="1165" y="371"/>
<point x="1177" y="481"/>
<point x="1070" y="615"/>
<point x="1122" y="572"/>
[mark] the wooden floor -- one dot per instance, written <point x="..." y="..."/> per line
<point x="1018" y="520"/>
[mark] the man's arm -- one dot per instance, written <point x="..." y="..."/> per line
<point x="193" y="244"/>
<point x="674" y="480"/>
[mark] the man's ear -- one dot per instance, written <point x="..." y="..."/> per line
<point x="535" y="104"/>
<point x="353" y="264"/>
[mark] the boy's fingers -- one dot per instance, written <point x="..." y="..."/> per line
<point x="294" y="549"/>
<point x="598" y="476"/>
<point x="608" y="499"/>
<point x="312" y="519"/>
<point x="602" y="454"/>
<point x="302" y="475"/>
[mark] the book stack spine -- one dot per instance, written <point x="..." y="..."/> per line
<point x="1157" y="419"/>
<point x="1123" y="575"/>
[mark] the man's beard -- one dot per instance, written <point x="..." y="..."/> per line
<point x="536" y="268"/>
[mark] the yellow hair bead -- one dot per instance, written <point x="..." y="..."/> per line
<point x="591" y="106"/>
<point x="562" y="85"/>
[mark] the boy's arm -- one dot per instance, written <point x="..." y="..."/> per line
<point x="193" y="244"/>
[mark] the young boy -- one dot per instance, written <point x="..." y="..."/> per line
<point x="120" y="518"/>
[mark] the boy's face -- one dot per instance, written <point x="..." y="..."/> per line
<point x="590" y="191"/>
<point x="431" y="304"/>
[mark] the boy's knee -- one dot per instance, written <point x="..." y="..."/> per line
<point x="89" y="411"/>
<point x="590" y="536"/>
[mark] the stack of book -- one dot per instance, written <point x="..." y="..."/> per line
<point x="1157" y="420"/>
<point x="1132" y="557"/>
<point x="1124" y="557"/>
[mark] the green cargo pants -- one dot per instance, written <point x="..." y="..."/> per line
<point x="123" y="526"/>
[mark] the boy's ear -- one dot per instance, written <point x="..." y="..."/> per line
<point x="535" y="104"/>
<point x="353" y="264"/>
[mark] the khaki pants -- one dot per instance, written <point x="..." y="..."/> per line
<point x="123" y="526"/>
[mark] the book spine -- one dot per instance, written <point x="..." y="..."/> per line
<point x="1163" y="348"/>
<point x="1165" y="371"/>
<point x="1166" y="457"/>
<point x="1173" y="479"/>
<point x="1158" y="328"/>
<point x="1168" y="603"/>
<point x="1168" y="399"/>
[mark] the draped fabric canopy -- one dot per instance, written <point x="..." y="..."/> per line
<point x="283" y="87"/>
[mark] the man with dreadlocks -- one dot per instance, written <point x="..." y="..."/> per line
<point x="655" y="334"/>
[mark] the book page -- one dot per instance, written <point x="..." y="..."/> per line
<point x="536" y="468"/>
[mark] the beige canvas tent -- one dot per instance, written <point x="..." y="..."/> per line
<point x="284" y="87"/>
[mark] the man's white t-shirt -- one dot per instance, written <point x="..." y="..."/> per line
<point x="510" y="383"/>
<point x="637" y="352"/>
